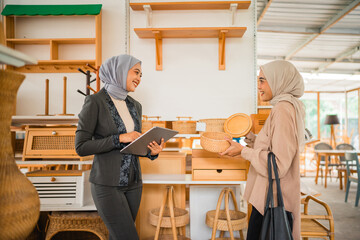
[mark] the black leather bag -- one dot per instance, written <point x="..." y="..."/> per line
<point x="275" y="225"/>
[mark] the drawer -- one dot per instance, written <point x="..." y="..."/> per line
<point x="219" y="174"/>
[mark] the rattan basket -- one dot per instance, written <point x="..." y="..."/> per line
<point x="184" y="127"/>
<point x="214" y="124"/>
<point x="182" y="217"/>
<point x="238" y="220"/>
<point x="146" y="124"/>
<point x="214" y="141"/>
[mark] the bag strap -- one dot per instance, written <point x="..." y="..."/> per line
<point x="277" y="179"/>
<point x="270" y="195"/>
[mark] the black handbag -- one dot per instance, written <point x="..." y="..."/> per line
<point x="275" y="225"/>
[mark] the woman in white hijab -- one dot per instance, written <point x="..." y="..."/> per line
<point x="109" y="121"/>
<point x="283" y="134"/>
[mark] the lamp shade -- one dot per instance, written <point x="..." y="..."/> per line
<point x="331" y="120"/>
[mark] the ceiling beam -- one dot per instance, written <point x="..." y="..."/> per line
<point x="339" y="58"/>
<point x="263" y="11"/>
<point x="335" y="71"/>
<point x="310" y="59"/>
<point x="303" y="30"/>
<point x="325" y="27"/>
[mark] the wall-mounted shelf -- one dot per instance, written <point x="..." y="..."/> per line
<point x="190" y="32"/>
<point x="11" y="12"/>
<point x="208" y="5"/>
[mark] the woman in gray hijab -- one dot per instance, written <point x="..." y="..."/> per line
<point x="109" y="121"/>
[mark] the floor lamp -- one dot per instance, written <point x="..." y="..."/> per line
<point x="332" y="120"/>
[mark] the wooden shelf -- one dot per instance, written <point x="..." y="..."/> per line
<point x="58" y="66"/>
<point x="208" y="5"/>
<point x="46" y="41"/>
<point x="190" y="32"/>
<point x="54" y="65"/>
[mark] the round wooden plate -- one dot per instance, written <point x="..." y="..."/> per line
<point x="238" y="125"/>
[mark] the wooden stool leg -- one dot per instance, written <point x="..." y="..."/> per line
<point x="161" y="215"/>
<point x="241" y="235"/>
<point x="228" y="218"/>
<point x="217" y="214"/>
<point x="172" y="214"/>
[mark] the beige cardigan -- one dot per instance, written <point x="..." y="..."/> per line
<point x="278" y="135"/>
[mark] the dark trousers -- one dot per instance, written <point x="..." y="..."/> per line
<point x="118" y="207"/>
<point x="255" y="224"/>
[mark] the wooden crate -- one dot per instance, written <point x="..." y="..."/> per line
<point x="208" y="166"/>
<point x="51" y="143"/>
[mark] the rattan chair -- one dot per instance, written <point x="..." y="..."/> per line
<point x="311" y="226"/>
<point x="76" y="221"/>
<point x="352" y="160"/>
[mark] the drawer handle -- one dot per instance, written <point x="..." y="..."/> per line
<point x="219" y="170"/>
<point x="54" y="133"/>
<point x="53" y="179"/>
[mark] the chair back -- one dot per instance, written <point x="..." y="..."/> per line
<point x="351" y="159"/>
<point x="344" y="146"/>
<point x="323" y="146"/>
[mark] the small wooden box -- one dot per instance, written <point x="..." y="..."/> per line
<point x="208" y="166"/>
<point x="51" y="142"/>
<point x="62" y="187"/>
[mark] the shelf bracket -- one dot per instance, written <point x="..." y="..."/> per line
<point x="222" y="49"/>
<point x="233" y="7"/>
<point x="158" y="43"/>
<point x="148" y="11"/>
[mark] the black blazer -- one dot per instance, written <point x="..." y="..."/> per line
<point x="98" y="132"/>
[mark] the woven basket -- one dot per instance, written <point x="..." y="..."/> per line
<point x="214" y="141"/>
<point x="238" y="220"/>
<point x="184" y="127"/>
<point x="181" y="217"/>
<point x="214" y="124"/>
<point x="146" y="124"/>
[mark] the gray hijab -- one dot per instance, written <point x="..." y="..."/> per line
<point x="114" y="71"/>
<point x="287" y="84"/>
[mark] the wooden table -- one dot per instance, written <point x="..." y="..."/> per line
<point x="326" y="154"/>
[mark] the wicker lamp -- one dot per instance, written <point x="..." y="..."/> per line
<point x="332" y="119"/>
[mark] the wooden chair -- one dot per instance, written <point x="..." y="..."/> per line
<point x="352" y="161"/>
<point x="331" y="164"/>
<point x="342" y="167"/>
<point x="311" y="227"/>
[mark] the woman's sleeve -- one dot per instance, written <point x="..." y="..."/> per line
<point x="84" y="142"/>
<point x="283" y="142"/>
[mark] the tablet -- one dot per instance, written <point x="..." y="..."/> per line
<point x="139" y="145"/>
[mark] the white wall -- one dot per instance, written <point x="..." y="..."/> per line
<point x="190" y="83"/>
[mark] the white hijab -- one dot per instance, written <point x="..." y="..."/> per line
<point x="287" y="84"/>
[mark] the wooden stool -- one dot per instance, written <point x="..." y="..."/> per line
<point x="76" y="221"/>
<point x="168" y="216"/>
<point x="226" y="220"/>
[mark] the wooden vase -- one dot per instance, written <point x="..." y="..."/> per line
<point x="19" y="201"/>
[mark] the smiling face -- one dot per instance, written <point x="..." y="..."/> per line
<point x="133" y="78"/>
<point x="264" y="88"/>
